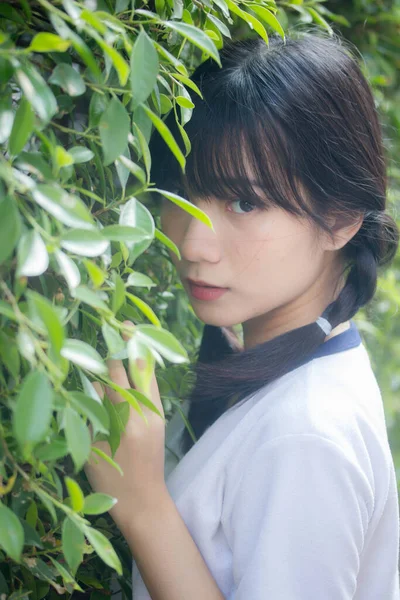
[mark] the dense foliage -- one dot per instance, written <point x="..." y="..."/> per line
<point x="82" y="87"/>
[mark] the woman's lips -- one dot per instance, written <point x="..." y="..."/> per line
<point x="202" y="292"/>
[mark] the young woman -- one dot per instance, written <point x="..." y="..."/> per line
<point x="289" y="492"/>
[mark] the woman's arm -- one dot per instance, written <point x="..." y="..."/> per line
<point x="167" y="557"/>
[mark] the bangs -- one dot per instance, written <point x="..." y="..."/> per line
<point x="234" y="149"/>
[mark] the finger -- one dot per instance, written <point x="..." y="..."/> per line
<point x="118" y="375"/>
<point x="99" y="388"/>
<point x="125" y="335"/>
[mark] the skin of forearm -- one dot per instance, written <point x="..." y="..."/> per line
<point x="166" y="555"/>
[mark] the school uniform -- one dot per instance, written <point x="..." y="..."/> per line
<point x="291" y="494"/>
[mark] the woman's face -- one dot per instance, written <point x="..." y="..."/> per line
<point x="278" y="272"/>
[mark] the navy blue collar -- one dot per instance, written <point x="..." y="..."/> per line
<point x="343" y="341"/>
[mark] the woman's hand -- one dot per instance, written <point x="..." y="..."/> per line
<point x="140" y="453"/>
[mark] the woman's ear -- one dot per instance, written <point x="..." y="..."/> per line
<point x="343" y="230"/>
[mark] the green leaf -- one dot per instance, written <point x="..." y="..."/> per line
<point x="108" y="459"/>
<point x="114" y="127"/>
<point x="318" y="19"/>
<point x="166" y="135"/>
<point x="141" y="375"/>
<point x="145" y="308"/>
<point x="10" y="227"/>
<point x="75" y="493"/>
<point x="12" y="533"/>
<point x="196" y="37"/>
<point x="249" y="19"/>
<point x="61" y="158"/>
<point x="103" y="548"/>
<point x="6" y="117"/>
<point x="97" y="503"/>
<point x="48" y="42"/>
<point x="35" y="163"/>
<point x="186" y="205"/>
<point x="121" y="66"/>
<point x="96" y="274"/>
<point x="144" y="68"/>
<point x="118" y="297"/>
<point x="92" y="409"/>
<point x="185" y="102"/>
<point x="68" y="269"/>
<point x="68" y="580"/>
<point x="83" y="355"/>
<point x="84" y="242"/>
<point x="113" y="339"/>
<point x="7" y="311"/>
<point x="162" y="341"/>
<point x="167" y="242"/>
<point x="37" y="92"/>
<point x="126" y="163"/>
<point x="80" y="154"/>
<point x="120" y="233"/>
<point x="52" y="450"/>
<point x="68" y="79"/>
<point x="73" y="542"/>
<point x="268" y="17"/>
<point x="135" y="214"/>
<point x="33" y="409"/>
<point x="139" y="280"/>
<point x="67" y="208"/>
<point x="78" y="438"/>
<point x="50" y="319"/>
<point x="31" y="537"/>
<point x="144" y="149"/>
<point x="90" y="297"/>
<point x="22" y="127"/>
<point x="33" y="258"/>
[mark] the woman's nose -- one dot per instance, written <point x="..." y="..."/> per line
<point x="200" y="243"/>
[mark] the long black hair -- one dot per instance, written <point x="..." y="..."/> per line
<point x="305" y="114"/>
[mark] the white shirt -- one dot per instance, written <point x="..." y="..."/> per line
<point x="291" y="494"/>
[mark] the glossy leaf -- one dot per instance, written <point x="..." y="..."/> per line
<point x="37" y="92"/>
<point x="33" y="258"/>
<point x="83" y="355"/>
<point x="90" y="408"/>
<point x="68" y="269"/>
<point x="73" y="542"/>
<point x="98" y="503"/>
<point x="22" y="127"/>
<point x="75" y="494"/>
<point x="144" y="67"/>
<point x="50" y="319"/>
<point x="103" y="548"/>
<point x="10" y="227"/>
<point x="166" y="135"/>
<point x="196" y="37"/>
<point x="78" y="437"/>
<point x="84" y="242"/>
<point x="48" y="42"/>
<point x="114" y="128"/>
<point x="12" y="533"/>
<point x="33" y="409"/>
<point x="163" y="342"/>
<point x="185" y="205"/>
<point x="80" y="154"/>
<point x="67" y="208"/>
<point x="68" y="79"/>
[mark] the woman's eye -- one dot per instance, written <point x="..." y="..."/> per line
<point x="244" y="206"/>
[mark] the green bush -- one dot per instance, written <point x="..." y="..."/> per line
<point x="82" y="87"/>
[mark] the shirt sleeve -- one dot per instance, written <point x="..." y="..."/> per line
<point x="295" y="520"/>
